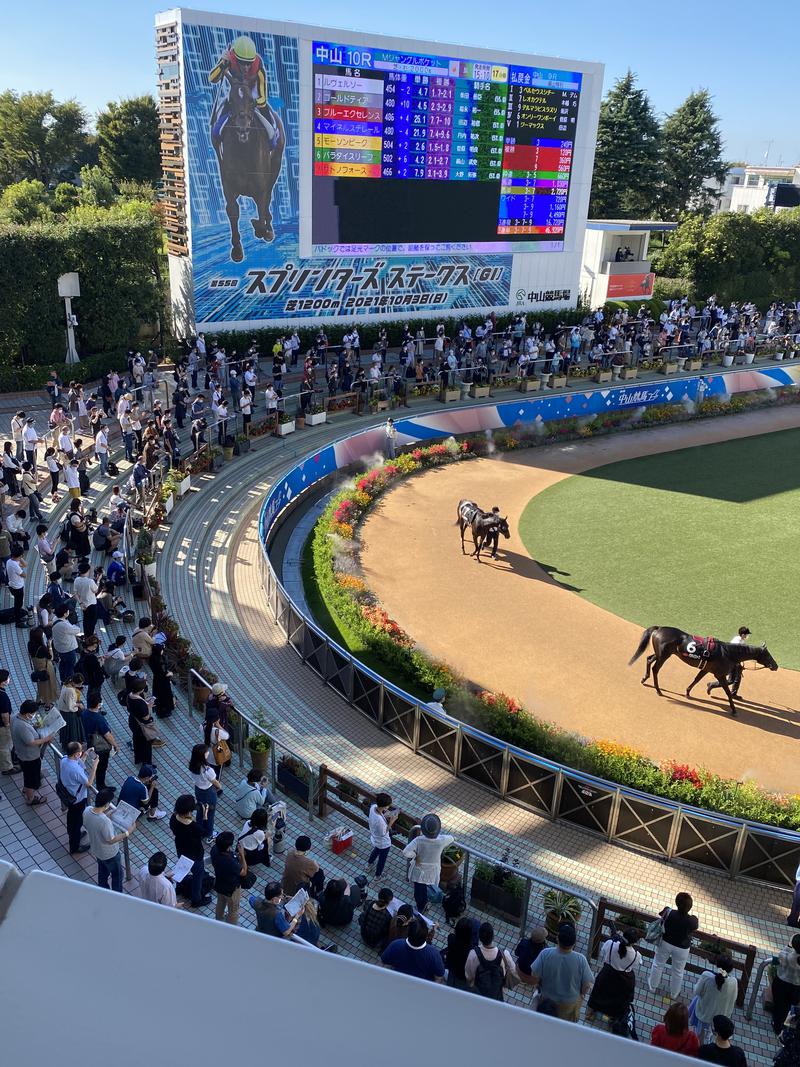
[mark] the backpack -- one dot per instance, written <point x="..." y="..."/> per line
<point x="490" y="975"/>
<point x="454" y="903"/>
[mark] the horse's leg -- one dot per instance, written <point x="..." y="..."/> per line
<point x="724" y="683"/>
<point x="659" y="663"/>
<point x="650" y="661"/>
<point x="463" y="528"/>
<point x="232" y="211"/>
<point x="700" y="674"/>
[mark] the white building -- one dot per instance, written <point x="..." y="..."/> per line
<point x="753" y="187"/>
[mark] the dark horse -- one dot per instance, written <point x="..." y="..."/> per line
<point x="248" y="164"/>
<point x="486" y="527"/>
<point x="710" y="655"/>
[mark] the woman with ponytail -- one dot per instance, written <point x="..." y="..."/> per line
<point x="714" y="994"/>
<point x="786" y="983"/>
<point x="613" y="990"/>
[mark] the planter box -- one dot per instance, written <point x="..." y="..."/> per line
<point x="449" y="396"/>
<point x="530" y="385"/>
<point x="316" y="419"/>
<point x="603" y="376"/>
<point x="498" y="899"/>
<point x="260" y="761"/>
<point x="216" y="461"/>
<point x="382" y="405"/>
<point x="149" y="569"/>
<point x="478" y="391"/>
<point x="169" y="503"/>
<point x="185" y="485"/>
<point x="778" y="357"/>
<point x="228" y="453"/>
<point x="694" y="364"/>
<point x="727" y="361"/>
<point x="749" y="357"/>
<point x="283" y="429"/>
<point x="669" y="368"/>
<point x="557" y="381"/>
<point x="628" y="373"/>
<point x="291" y="784"/>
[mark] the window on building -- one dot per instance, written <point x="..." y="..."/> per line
<point x="752" y="180"/>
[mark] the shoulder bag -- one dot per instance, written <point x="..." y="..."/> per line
<point x="655" y="930"/>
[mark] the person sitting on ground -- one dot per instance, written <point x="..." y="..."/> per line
<point x="300" y="867"/>
<point x="104" y="539"/>
<point x="142" y="638"/>
<point x="414" y="956"/>
<point x="271" y="918"/>
<point x="254" y="838"/>
<point x="375" y="920"/>
<point x="142" y="792"/>
<point x="720" y="1050"/>
<point x="673" y="1033"/>
<point x="115" y="571"/>
<point x="251" y="793"/>
<point x="338" y="903"/>
<point x="488" y="968"/>
<point x="527" y="950"/>
<point x="154" y="883"/>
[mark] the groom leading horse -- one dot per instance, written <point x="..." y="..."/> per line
<point x="712" y="656"/>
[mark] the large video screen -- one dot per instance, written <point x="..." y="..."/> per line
<point x="428" y="154"/>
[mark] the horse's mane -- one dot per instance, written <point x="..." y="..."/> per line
<point x="739" y="652"/>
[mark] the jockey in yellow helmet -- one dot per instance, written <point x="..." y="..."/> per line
<point x="242" y="63"/>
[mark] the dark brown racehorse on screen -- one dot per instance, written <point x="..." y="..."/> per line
<point x="709" y="655"/>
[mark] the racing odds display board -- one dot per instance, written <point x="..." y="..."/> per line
<point x="341" y="175"/>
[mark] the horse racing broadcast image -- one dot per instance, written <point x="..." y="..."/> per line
<point x="336" y="174"/>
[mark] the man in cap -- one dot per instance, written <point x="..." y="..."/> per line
<point x="30" y="439"/>
<point x="563" y="975"/>
<point x="426" y="853"/>
<point x="734" y="679"/>
<point x="436" y="703"/>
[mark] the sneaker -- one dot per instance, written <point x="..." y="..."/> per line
<point x="157" y="814"/>
<point x="80" y="849"/>
<point x="13" y="770"/>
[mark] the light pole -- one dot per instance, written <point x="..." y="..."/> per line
<point x="69" y="286"/>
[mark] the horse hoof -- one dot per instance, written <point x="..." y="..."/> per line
<point x="237" y="255"/>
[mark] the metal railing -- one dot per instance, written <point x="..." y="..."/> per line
<point x="244" y="726"/>
<point x="666" y="829"/>
<point x="126" y="854"/>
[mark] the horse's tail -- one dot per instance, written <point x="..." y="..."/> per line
<point x="642" y="644"/>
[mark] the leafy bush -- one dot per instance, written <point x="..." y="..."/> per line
<point x="23" y="379"/>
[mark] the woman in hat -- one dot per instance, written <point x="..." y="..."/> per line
<point x="426" y="853"/>
<point x="162" y="686"/>
<point x="217" y="707"/>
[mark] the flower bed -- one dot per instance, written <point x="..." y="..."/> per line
<point x="334" y="550"/>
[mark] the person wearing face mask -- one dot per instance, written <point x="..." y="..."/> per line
<point x="206" y="789"/>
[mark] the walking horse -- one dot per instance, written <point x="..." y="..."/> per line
<point x="486" y="527"/>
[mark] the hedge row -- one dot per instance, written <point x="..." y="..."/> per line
<point x="334" y="549"/>
<point x="24" y="379"/>
<point x="120" y="277"/>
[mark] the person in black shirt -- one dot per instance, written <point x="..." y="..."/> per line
<point x="229" y="869"/>
<point x="459" y="945"/>
<point x="189" y="842"/>
<point x="720" y="1050"/>
<point x="338" y="903"/>
<point x="674" y="945"/>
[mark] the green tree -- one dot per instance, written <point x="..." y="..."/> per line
<point x="24" y="202"/>
<point x="96" y="189"/>
<point x="737" y="256"/>
<point x="626" y="159"/>
<point x="40" y="138"/>
<point x="691" y="156"/>
<point x="65" y="197"/>
<point x="127" y="136"/>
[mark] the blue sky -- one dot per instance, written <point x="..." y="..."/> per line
<point x="97" y="51"/>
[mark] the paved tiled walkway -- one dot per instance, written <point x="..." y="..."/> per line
<point x="210" y="577"/>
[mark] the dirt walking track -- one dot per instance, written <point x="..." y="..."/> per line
<point x="508" y="626"/>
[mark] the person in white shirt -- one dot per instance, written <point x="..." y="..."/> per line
<point x="206" y="788"/>
<point x="390" y="434"/>
<point x="86" y="590"/>
<point x="154" y="884"/>
<point x="73" y="479"/>
<point x="15" y="572"/>
<point x="65" y="444"/>
<point x="734" y="679"/>
<point x="101" y="450"/>
<point x="382" y="817"/>
<point x="486" y="980"/>
<point x="271" y="398"/>
<point x="426" y="853"/>
<point x="17" y="430"/>
<point x="436" y="702"/>
<point x="30" y="439"/>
